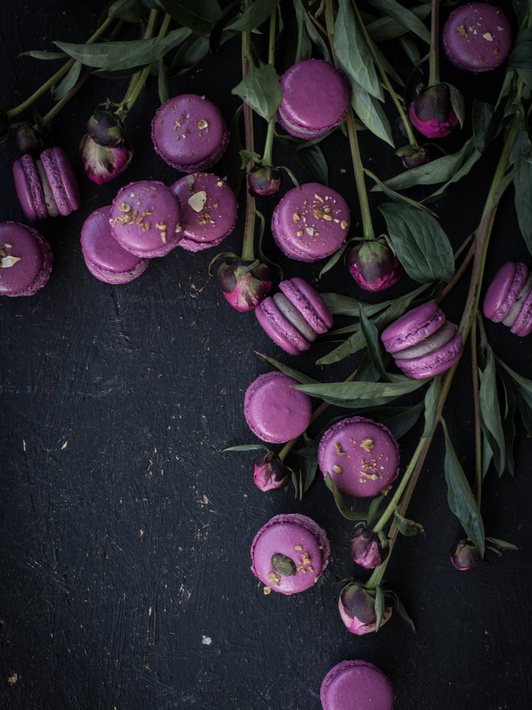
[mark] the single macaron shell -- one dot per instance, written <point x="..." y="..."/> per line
<point x="209" y="208"/>
<point x="360" y="455"/>
<point x="311" y="222"/>
<point x="189" y="133"/>
<point x="289" y="553"/>
<point x="315" y="99"/>
<point x="25" y="260"/>
<point x="104" y="257"/>
<point x="412" y="327"/>
<point x="477" y="37"/>
<point x="274" y="410"/>
<point x="146" y="219"/>
<point x="356" y="685"/>
<point x="61" y="178"/>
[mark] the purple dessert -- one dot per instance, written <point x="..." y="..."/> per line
<point x="509" y="298"/>
<point x="356" y="685"/>
<point x="25" y="260"/>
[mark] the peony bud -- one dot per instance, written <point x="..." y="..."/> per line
<point x="28" y="139"/>
<point x="413" y="156"/>
<point x="465" y="555"/>
<point x="263" y="180"/>
<point x="269" y="472"/>
<point x="431" y="112"/>
<point x="105" y="128"/>
<point x="357" y="609"/>
<point x="102" y="163"/>
<point x="373" y="265"/>
<point x="244" y="283"/>
<point x="368" y="548"/>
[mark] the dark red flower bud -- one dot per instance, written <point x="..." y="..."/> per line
<point x="269" y="472"/>
<point x="368" y="548"/>
<point x="465" y="555"/>
<point x="244" y="283"/>
<point x="104" y="163"/>
<point x="431" y="112"/>
<point x="357" y="609"/>
<point x="263" y="180"/>
<point x="373" y="265"/>
<point x="105" y="128"/>
<point x="413" y="156"/>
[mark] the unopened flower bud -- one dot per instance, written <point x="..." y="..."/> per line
<point x="368" y="548"/>
<point x="465" y="555"/>
<point x="269" y="472"/>
<point x="373" y="265"/>
<point x="105" y="128"/>
<point x="103" y="163"/>
<point x="28" y="139"/>
<point x="413" y="156"/>
<point x="357" y="609"/>
<point x="244" y="283"/>
<point x="263" y="180"/>
<point x="431" y="112"/>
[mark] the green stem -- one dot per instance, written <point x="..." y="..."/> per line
<point x="249" y="142"/>
<point x="58" y="75"/>
<point x="434" y="54"/>
<point x="268" y="145"/>
<point x="476" y="408"/>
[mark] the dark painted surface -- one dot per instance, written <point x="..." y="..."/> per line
<point x="125" y="530"/>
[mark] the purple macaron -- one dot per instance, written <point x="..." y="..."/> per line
<point x="315" y="99"/>
<point x="289" y="553"/>
<point x="209" y="208"/>
<point x="25" y="260"/>
<point x="189" y="133"/>
<point x="274" y="410"/>
<point x="310" y="222"/>
<point x="422" y="342"/>
<point x="477" y="37"/>
<point x="146" y="219"/>
<point x="360" y="455"/>
<point x="356" y="685"/>
<point x="46" y="186"/>
<point x="294" y="317"/>
<point x="104" y="257"/>
<point x="508" y="299"/>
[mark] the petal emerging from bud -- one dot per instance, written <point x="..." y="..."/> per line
<point x="245" y="283"/>
<point x="102" y="163"/>
<point x="431" y="112"/>
<point x="465" y="555"/>
<point x="269" y="472"/>
<point x="373" y="265"/>
<point x="357" y="609"/>
<point x="413" y="156"/>
<point x="263" y="180"/>
<point x="105" y="128"/>
<point x="368" y="548"/>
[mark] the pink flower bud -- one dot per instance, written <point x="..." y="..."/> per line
<point x="373" y="265"/>
<point x="368" y="548"/>
<point x="244" y="283"/>
<point x="104" y="163"/>
<point x="465" y="555"/>
<point x="431" y="112"/>
<point x="357" y="609"/>
<point x="269" y="472"/>
<point x="263" y="180"/>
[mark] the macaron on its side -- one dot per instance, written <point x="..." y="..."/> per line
<point x="412" y="327"/>
<point x="294" y="317"/>
<point x="61" y="178"/>
<point x="274" y="410"/>
<point x="26" y="260"/>
<point x="356" y="685"/>
<point x="279" y="329"/>
<point x="477" y="37"/>
<point x="189" y="133"/>
<point x="504" y="290"/>
<point x="430" y="344"/>
<point x="309" y="303"/>
<point x="49" y="200"/>
<point x="435" y="360"/>
<point x="289" y="553"/>
<point x="29" y="189"/>
<point x="360" y="455"/>
<point x="523" y="323"/>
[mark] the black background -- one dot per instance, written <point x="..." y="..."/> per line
<point x="125" y="529"/>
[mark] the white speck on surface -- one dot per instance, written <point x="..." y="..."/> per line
<point x="206" y="640"/>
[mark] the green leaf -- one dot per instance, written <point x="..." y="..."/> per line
<point x="396" y="196"/>
<point x="261" y="90"/>
<point x="334" y="259"/>
<point x="190" y="53"/>
<point x="432" y="398"/>
<point x="304" y="44"/>
<point x="399" y="610"/>
<point x="407" y="527"/>
<point x="460" y="497"/>
<point x="501" y="543"/>
<point x="36" y="54"/>
<point x="373" y="509"/>
<point x="482" y="120"/>
<point x="247" y="447"/>
<point x="371" y="336"/>
<point x="254" y="16"/>
<point x="347" y="513"/>
<point x="457" y="103"/>
<point x="522" y="178"/>
<point x="370" y="112"/>
<point x="311" y="157"/>
<point x="420" y="243"/>
<point x="359" y="394"/>
<point x="68" y="82"/>
<point x="199" y="15"/>
<point x="307" y="473"/>
<point x="289" y="371"/>
<point x="380" y="606"/>
<point x="127" y="10"/>
<point x="490" y="412"/>
<point x="162" y="82"/>
<point x="521" y="54"/>
<point x="404" y="17"/>
<point x="386" y="28"/>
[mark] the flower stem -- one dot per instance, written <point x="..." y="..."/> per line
<point x="268" y="145"/>
<point x="248" y="251"/>
<point x="476" y="408"/>
<point x="434" y="54"/>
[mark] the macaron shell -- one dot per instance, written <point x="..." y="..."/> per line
<point x="29" y="190"/>
<point x="477" y="37"/>
<point x="34" y="257"/>
<point x="504" y="290"/>
<point x="430" y="344"/>
<point x="274" y="410"/>
<point x="61" y="178"/>
<point x="309" y="303"/>
<point x="356" y="685"/>
<point x="523" y="323"/>
<point x="279" y="329"/>
<point x="412" y="327"/>
<point x="435" y="362"/>
<point x="209" y="209"/>
<point x="301" y="540"/>
<point x="360" y="455"/>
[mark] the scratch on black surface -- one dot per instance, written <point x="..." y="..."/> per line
<point x="48" y="573"/>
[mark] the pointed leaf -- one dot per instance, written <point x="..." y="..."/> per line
<point x="403" y="16"/>
<point x="253" y="16"/>
<point x="68" y="82"/>
<point x="370" y="112"/>
<point x="347" y="513"/>
<point x="290" y="372"/>
<point x="312" y="159"/>
<point x="261" y="90"/>
<point x="353" y="394"/>
<point x="247" y="447"/>
<point x="199" y="15"/>
<point x="407" y="527"/>
<point x="522" y="177"/>
<point x="380" y="605"/>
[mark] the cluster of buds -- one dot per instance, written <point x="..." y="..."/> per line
<point x="105" y="153"/>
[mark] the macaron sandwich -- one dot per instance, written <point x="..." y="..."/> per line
<point x="25" y="260"/>
<point x="356" y="685"/>
<point x="508" y="299"/>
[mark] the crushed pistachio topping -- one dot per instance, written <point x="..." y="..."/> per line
<point x="274" y="578"/>
<point x="367" y="444"/>
<point x="337" y="469"/>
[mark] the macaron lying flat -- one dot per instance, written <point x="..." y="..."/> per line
<point x="209" y="208"/>
<point x="356" y="685"/>
<point x="189" y="133"/>
<point x="274" y="410"/>
<point x="422" y="342"/>
<point x="315" y="99"/>
<point x="477" y="37"/>
<point x="360" y="455"/>
<point x="310" y="222"/>
<point x="25" y="260"/>
<point x="289" y="553"/>
<point x="146" y="219"/>
<point x="294" y="318"/>
<point x="509" y="298"/>
<point x="104" y="257"/>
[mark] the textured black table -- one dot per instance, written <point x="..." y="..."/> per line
<point x="125" y="530"/>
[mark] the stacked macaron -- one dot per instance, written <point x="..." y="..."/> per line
<point x="360" y="455"/>
<point x="477" y="37"/>
<point x="294" y="317"/>
<point x="310" y="222"/>
<point x="25" y="260"/>
<point x="423" y="342"/>
<point x="289" y="553"/>
<point x="508" y="299"/>
<point x="354" y="685"/>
